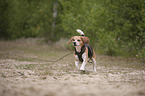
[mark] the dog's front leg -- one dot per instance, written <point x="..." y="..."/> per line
<point x="83" y="66"/>
<point x="77" y="62"/>
<point x="84" y="57"/>
<point x="94" y="66"/>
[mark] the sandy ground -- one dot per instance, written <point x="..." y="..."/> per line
<point x="24" y="71"/>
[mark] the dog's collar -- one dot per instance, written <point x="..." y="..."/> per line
<point x="80" y="53"/>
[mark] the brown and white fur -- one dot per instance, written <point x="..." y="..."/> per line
<point x="78" y="42"/>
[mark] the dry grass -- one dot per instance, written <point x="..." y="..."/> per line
<point x="25" y="71"/>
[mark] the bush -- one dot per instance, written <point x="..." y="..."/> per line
<point x="27" y="18"/>
<point x="141" y="55"/>
<point x="116" y="27"/>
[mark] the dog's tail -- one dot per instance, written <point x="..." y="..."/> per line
<point x="81" y="32"/>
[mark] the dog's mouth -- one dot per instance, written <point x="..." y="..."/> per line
<point x="74" y="44"/>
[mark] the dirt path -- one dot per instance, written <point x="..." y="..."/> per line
<point x="24" y="71"/>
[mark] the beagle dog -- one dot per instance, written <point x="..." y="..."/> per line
<point x="83" y="51"/>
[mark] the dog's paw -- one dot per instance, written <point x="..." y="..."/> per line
<point x="94" y="70"/>
<point x="82" y="69"/>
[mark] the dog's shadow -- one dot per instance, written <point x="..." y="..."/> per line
<point x="87" y="72"/>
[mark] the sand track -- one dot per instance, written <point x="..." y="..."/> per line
<point x="21" y="74"/>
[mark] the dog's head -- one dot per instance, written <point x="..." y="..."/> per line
<point x="79" y="40"/>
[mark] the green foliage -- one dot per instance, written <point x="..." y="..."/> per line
<point x="125" y="18"/>
<point x="82" y="15"/>
<point x="115" y="27"/>
<point x="26" y="18"/>
<point x="3" y="18"/>
<point x="141" y="55"/>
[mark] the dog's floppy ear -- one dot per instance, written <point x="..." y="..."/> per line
<point x="86" y="40"/>
<point x="70" y="40"/>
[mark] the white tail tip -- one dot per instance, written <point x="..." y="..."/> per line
<point x="81" y="32"/>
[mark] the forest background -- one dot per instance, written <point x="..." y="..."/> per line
<point x="115" y="27"/>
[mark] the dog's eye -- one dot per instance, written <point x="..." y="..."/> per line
<point x="78" y="40"/>
<point x="73" y="39"/>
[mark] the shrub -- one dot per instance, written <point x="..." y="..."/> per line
<point x="115" y="26"/>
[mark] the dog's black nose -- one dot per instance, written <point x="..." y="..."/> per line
<point x="74" y="43"/>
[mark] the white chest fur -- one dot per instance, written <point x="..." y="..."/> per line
<point x="78" y="48"/>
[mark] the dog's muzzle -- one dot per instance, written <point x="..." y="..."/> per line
<point x="74" y="43"/>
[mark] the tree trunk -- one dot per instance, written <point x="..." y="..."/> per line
<point x="55" y="6"/>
